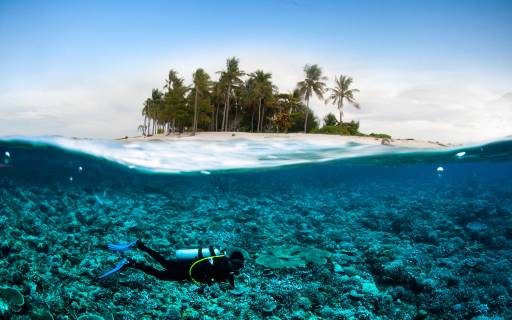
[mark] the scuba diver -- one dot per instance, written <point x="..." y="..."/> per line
<point x="204" y="266"/>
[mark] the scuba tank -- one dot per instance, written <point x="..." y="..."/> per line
<point x="196" y="254"/>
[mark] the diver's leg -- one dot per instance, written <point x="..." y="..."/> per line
<point x="159" y="274"/>
<point x="155" y="255"/>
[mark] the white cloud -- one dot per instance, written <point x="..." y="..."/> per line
<point x="430" y="105"/>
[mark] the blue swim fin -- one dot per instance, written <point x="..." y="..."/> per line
<point x="121" y="247"/>
<point x="118" y="267"/>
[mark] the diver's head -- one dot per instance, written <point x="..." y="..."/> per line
<point x="237" y="261"/>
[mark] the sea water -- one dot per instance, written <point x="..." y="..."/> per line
<point x="331" y="231"/>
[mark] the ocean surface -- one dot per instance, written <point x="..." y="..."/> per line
<point x="330" y="231"/>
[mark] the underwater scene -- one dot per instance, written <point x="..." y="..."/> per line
<point x="327" y="231"/>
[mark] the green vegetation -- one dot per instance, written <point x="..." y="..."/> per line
<point x="240" y="101"/>
<point x="380" y="135"/>
<point x="312" y="84"/>
<point x="342" y="91"/>
<point x="330" y="120"/>
<point x="346" y="129"/>
<point x="333" y="126"/>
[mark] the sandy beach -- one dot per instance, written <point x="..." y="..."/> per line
<point x="224" y="136"/>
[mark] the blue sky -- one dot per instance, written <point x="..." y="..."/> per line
<point x="64" y="61"/>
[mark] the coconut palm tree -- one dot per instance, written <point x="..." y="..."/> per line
<point x="216" y="94"/>
<point x="249" y="100"/>
<point x="230" y="78"/>
<point x="145" y="113"/>
<point x="172" y="78"/>
<point x="201" y="83"/>
<point x="155" y="108"/>
<point x="262" y="88"/>
<point x="342" y="91"/>
<point x="313" y="83"/>
<point x="176" y="112"/>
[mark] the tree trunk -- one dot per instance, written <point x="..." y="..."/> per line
<point x="306" y="118"/>
<point x="224" y="115"/>
<point x="194" y="124"/>
<point x="340" y="107"/>
<point x="259" y="115"/>
<point x="212" y="118"/>
<point x="236" y="114"/>
<point x="144" y="129"/>
<point x="252" y="119"/>
<point x="262" y="118"/>
<point x="217" y="118"/>
<point x="227" y="108"/>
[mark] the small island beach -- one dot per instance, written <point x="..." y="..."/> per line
<point x="311" y="138"/>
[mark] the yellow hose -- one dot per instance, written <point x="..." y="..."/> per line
<point x="200" y="260"/>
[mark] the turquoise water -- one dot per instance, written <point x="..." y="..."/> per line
<point x="333" y="231"/>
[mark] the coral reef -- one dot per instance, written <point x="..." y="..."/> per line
<point x="329" y="241"/>
<point x="295" y="256"/>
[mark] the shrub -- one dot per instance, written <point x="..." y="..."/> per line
<point x="330" y="120"/>
<point x="345" y="129"/>
<point x="297" y="119"/>
<point x="283" y="121"/>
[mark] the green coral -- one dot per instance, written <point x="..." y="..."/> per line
<point x="90" y="317"/>
<point x="41" y="314"/>
<point x="293" y="257"/>
<point x="11" y="299"/>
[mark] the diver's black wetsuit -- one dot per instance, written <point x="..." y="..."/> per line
<point x="207" y="271"/>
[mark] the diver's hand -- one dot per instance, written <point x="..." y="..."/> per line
<point x="201" y="289"/>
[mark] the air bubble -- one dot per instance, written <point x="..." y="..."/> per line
<point x="461" y="154"/>
<point x="71" y="179"/>
<point x="440" y="169"/>
<point x="7" y="158"/>
<point x="80" y="169"/>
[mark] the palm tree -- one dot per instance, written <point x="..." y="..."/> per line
<point x="216" y="93"/>
<point x="154" y="105"/>
<point x="172" y="78"/>
<point x="175" y="113"/>
<point x="262" y="88"/>
<point x="230" y="77"/>
<point x="342" y="91"/>
<point x="311" y="84"/>
<point x="145" y="113"/>
<point x="201" y="84"/>
<point x="249" y="99"/>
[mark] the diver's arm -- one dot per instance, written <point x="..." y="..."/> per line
<point x="231" y="280"/>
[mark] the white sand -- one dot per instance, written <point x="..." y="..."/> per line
<point x="225" y="136"/>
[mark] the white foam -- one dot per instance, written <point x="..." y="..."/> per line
<point x="209" y="155"/>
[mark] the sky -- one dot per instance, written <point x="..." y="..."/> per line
<point x="430" y="70"/>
